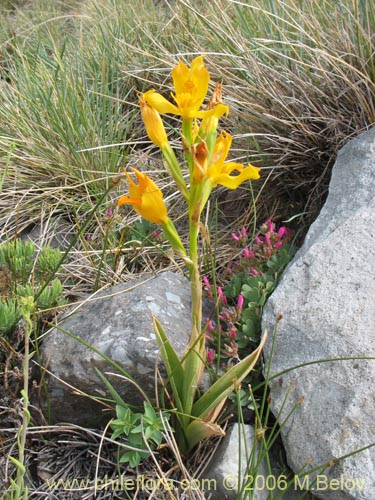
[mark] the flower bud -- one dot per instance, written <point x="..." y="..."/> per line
<point x="154" y="124"/>
<point x="210" y="355"/>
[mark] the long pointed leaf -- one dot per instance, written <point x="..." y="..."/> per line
<point x="193" y="366"/>
<point x="115" y="395"/>
<point x="172" y="363"/>
<point x="198" y="430"/>
<point x="226" y="383"/>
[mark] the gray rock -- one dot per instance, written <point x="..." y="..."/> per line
<point x="117" y="323"/>
<point x="326" y="298"/>
<point x="228" y="469"/>
<point x="54" y="232"/>
<point x="239" y="469"/>
<point x="352" y="187"/>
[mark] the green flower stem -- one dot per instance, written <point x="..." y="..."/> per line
<point x="187" y="138"/>
<point x="195" y="210"/>
<point x="26" y="306"/>
<point x="196" y="286"/>
<point x="175" y="170"/>
<point x="195" y="357"/>
<point x="174" y="239"/>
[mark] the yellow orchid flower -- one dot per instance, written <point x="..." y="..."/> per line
<point x="191" y="86"/>
<point x="219" y="172"/>
<point x="146" y="199"/>
<point x="154" y="124"/>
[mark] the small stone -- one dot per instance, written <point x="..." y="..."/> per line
<point x="237" y="472"/>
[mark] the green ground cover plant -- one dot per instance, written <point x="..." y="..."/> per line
<point x="299" y="80"/>
<point x="23" y="274"/>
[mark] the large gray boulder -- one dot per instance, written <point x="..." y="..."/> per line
<point x="327" y="300"/>
<point x="118" y="324"/>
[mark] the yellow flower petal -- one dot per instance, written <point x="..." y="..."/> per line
<point x="159" y="103"/>
<point x="219" y="172"/>
<point x="221" y="149"/>
<point x="191" y="86"/>
<point x="201" y="78"/>
<point x="146" y="199"/>
<point x="232" y="182"/>
<point x="211" y="118"/>
<point x="180" y="75"/>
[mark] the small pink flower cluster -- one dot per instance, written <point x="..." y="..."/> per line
<point x="252" y="260"/>
<point x="229" y="318"/>
<point x="157" y="235"/>
<point x="266" y="244"/>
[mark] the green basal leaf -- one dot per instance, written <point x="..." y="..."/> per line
<point x="172" y="363"/>
<point x="233" y="289"/>
<point x="121" y="412"/>
<point x="241" y="396"/>
<point x="226" y="383"/>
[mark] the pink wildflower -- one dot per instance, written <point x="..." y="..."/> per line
<point x="240" y="301"/>
<point x="207" y="283"/>
<point x="210" y="325"/>
<point x="240" y="236"/>
<point x="210" y="355"/>
<point x="233" y="332"/>
<point x="255" y="272"/>
<point x="221" y="295"/>
<point x="248" y="253"/>
<point x="224" y="316"/>
<point x="270" y="225"/>
<point x="267" y="239"/>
